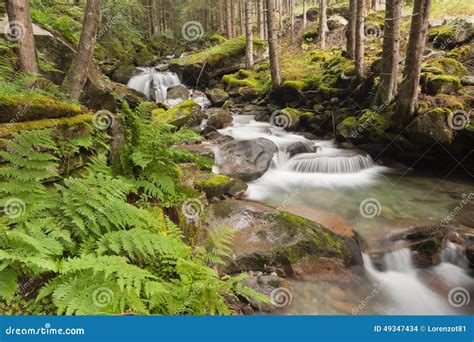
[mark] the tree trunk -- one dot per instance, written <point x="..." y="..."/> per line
<point x="390" y="53"/>
<point x="323" y="26"/>
<point x="21" y="31"/>
<point x="261" y="19"/>
<point x="248" y="34"/>
<point x="305" y="17"/>
<point x="228" y="16"/>
<point x="351" y="28"/>
<point x="359" y="41"/>
<point x="411" y="74"/>
<point x="77" y="75"/>
<point x="273" y="46"/>
<point x="292" y="19"/>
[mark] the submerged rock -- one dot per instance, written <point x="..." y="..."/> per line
<point x="246" y="159"/>
<point x="268" y="239"/>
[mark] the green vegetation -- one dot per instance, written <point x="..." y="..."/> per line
<point x="82" y="239"/>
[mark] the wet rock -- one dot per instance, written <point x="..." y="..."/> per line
<point x="217" y="96"/>
<point x="246" y="159"/>
<point x="219" y="119"/>
<point x="266" y="285"/>
<point x="124" y="73"/>
<point x="178" y="92"/>
<point x="265" y="237"/>
<point x="300" y="147"/>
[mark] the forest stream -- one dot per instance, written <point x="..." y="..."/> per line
<point x="344" y="190"/>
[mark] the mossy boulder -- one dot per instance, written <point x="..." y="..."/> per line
<point x="453" y="33"/>
<point x="219" y="119"/>
<point x="431" y="127"/>
<point x="255" y="81"/>
<point x="27" y="108"/>
<point x="213" y="185"/>
<point x="216" y="61"/>
<point x="124" y="73"/>
<point x="292" y="118"/>
<point x="348" y="128"/>
<point x="373" y="124"/>
<point x="445" y="84"/>
<point x="270" y="238"/>
<point x="311" y="35"/>
<point x="218" y="96"/>
<point x="186" y="114"/>
<point x="144" y="58"/>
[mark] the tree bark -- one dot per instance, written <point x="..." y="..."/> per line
<point x="248" y="34"/>
<point x="77" y="75"/>
<point x="351" y="28"/>
<point x="292" y="19"/>
<point x="323" y="26"/>
<point x="228" y="16"/>
<point x="21" y="31"/>
<point x="359" y="41"/>
<point x="273" y="46"/>
<point x="261" y="19"/>
<point x="390" y="53"/>
<point x="305" y="17"/>
<point x="411" y="74"/>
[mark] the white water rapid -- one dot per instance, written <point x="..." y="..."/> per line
<point x="326" y="166"/>
<point x="155" y="84"/>
<point x="321" y="174"/>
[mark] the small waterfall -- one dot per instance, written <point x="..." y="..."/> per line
<point x="313" y="163"/>
<point x="402" y="290"/>
<point x="154" y="84"/>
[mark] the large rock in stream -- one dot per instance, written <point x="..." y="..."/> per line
<point x="270" y="240"/>
<point x="246" y="159"/>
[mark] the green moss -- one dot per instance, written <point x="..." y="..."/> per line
<point x="311" y="34"/>
<point x="461" y="54"/>
<point x="28" y="108"/>
<point x="296" y="85"/>
<point x="213" y="185"/>
<point x="374" y="124"/>
<point x="9" y="128"/>
<point x="256" y="80"/>
<point x="179" y="115"/>
<point x="449" y="66"/>
<point x="218" y="53"/>
<point x="217" y="39"/>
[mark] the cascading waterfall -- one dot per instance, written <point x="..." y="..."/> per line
<point x="403" y="292"/>
<point x="328" y="167"/>
<point x="313" y="163"/>
<point x="154" y="84"/>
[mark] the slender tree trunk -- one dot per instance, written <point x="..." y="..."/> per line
<point x="21" y="31"/>
<point x="305" y="16"/>
<point x="228" y="16"/>
<point x="323" y="26"/>
<point x="351" y="28"/>
<point x="359" y="41"/>
<point x="292" y="19"/>
<point x="411" y="74"/>
<point x="273" y="45"/>
<point x="242" y="16"/>
<point x="390" y="53"/>
<point x="248" y="34"/>
<point x="261" y="19"/>
<point x="77" y="75"/>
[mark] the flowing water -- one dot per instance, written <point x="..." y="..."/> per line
<point x="155" y="84"/>
<point x="341" y="187"/>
